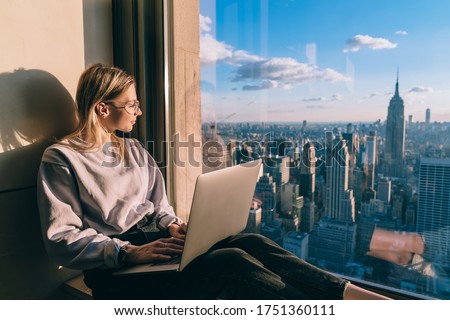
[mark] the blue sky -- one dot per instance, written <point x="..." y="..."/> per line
<point x="323" y="60"/>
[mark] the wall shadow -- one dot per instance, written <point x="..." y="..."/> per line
<point x="35" y="109"/>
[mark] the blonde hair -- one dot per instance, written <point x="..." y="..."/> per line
<point x="96" y="84"/>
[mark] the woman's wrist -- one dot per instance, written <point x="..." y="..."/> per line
<point x="173" y="227"/>
<point x="123" y="254"/>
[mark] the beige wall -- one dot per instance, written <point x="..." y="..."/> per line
<point x="41" y="57"/>
<point x="187" y="115"/>
<point x="44" y="34"/>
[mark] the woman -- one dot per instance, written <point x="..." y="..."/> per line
<point x="103" y="204"/>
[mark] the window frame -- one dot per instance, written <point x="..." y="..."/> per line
<point x="142" y="46"/>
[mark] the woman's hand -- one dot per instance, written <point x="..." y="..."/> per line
<point x="398" y="257"/>
<point x="160" y="250"/>
<point x="177" y="230"/>
<point x="396" y="241"/>
<point x="394" y="246"/>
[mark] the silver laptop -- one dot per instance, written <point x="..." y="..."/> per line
<point x="220" y="209"/>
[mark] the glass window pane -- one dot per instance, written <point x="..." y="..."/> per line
<point x="346" y="103"/>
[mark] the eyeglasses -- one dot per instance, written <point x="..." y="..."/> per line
<point x="130" y="107"/>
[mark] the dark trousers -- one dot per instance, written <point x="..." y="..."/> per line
<point x="245" y="266"/>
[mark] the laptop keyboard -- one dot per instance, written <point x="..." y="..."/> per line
<point x="174" y="260"/>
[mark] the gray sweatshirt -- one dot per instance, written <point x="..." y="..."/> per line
<point x="85" y="197"/>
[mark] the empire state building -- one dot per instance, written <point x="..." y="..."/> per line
<point x="394" y="153"/>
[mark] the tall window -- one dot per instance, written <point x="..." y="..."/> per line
<point x="346" y="102"/>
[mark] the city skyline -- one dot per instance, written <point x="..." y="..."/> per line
<point x="325" y="190"/>
<point x="286" y="61"/>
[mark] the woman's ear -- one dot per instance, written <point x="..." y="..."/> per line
<point x="102" y="110"/>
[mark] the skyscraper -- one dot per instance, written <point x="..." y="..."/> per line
<point x="254" y="217"/>
<point x="354" y="173"/>
<point x="428" y="116"/>
<point x="384" y="190"/>
<point x="265" y="191"/>
<point x="333" y="236"/>
<point x="371" y="151"/>
<point x="340" y="203"/>
<point x="304" y="126"/>
<point x="278" y="168"/>
<point x="394" y="152"/>
<point x="433" y="205"/>
<point x="308" y="171"/>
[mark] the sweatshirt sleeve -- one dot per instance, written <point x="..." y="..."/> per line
<point x="67" y="241"/>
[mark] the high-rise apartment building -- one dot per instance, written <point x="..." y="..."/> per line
<point x="333" y="243"/>
<point x="254" y="217"/>
<point x="304" y="125"/>
<point x="353" y="145"/>
<point x="394" y="152"/>
<point x="265" y="191"/>
<point x="308" y="171"/>
<point x="278" y="167"/>
<point x="384" y="190"/>
<point x="297" y="243"/>
<point x="340" y="203"/>
<point x="369" y="159"/>
<point x="433" y="205"/>
<point x="291" y="201"/>
<point x="307" y="218"/>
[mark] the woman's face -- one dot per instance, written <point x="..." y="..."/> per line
<point x="123" y="111"/>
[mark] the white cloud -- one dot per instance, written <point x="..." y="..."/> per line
<point x="364" y="41"/>
<point x="205" y="24"/>
<point x="241" y="56"/>
<point x="260" y="73"/>
<point x="212" y="50"/>
<point x="285" y="70"/>
<point x="265" y="84"/>
<point x="420" y="89"/>
<point x="315" y="99"/>
<point x="331" y="75"/>
<point x="401" y="33"/>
